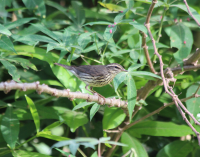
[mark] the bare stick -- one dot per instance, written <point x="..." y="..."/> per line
<point x="191" y="13"/>
<point x="8" y="86"/>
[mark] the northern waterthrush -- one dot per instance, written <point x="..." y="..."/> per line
<point x="95" y="75"/>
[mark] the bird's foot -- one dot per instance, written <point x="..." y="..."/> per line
<point x="88" y="99"/>
<point x="101" y="98"/>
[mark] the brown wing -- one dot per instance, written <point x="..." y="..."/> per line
<point x="94" y="70"/>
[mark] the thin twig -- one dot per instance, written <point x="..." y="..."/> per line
<point x="160" y="109"/>
<point x="186" y="120"/>
<point x="191" y="13"/>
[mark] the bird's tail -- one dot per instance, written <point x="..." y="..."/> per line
<point x="64" y="66"/>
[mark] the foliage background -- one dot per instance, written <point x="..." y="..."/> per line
<point x="35" y="34"/>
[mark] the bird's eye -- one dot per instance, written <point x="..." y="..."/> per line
<point x="117" y="67"/>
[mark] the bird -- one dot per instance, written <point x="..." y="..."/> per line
<point x="95" y="75"/>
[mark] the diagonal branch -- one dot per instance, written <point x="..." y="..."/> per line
<point x="191" y="13"/>
<point x="160" y="109"/>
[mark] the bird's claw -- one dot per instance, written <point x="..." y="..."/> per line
<point x="103" y="102"/>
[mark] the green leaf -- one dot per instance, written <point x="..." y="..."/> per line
<point x="139" y="26"/>
<point x="48" y="135"/>
<point x="74" y="144"/>
<point x="181" y="37"/>
<point x="98" y="23"/>
<point x="113" y="117"/>
<point x="74" y="119"/>
<point x="93" y="47"/>
<point x="10" y="127"/>
<point x="134" y="67"/>
<point x="53" y="125"/>
<point x="119" y="78"/>
<point x="12" y="70"/>
<point x="176" y="149"/>
<point x="37" y="5"/>
<point x="115" y="143"/>
<point x="109" y="32"/>
<point x="134" y="144"/>
<point x="70" y="38"/>
<point x="158" y="4"/>
<point x="2" y="103"/>
<point x="34" y="113"/>
<point x="24" y="63"/>
<point x="93" y="110"/>
<point x="62" y="55"/>
<point x="94" y="154"/>
<point x="193" y="11"/>
<point x="51" y="82"/>
<point x="37" y="38"/>
<point x="84" y="39"/>
<point x="63" y="152"/>
<point x="156" y="128"/>
<point x="80" y="13"/>
<point x="4" y="30"/>
<point x="6" y="44"/>
<point x="46" y="31"/>
<point x="131" y="95"/>
<point x="81" y="105"/>
<point x="145" y="73"/>
<point x="111" y="6"/>
<point x="22" y="153"/>
<point x="119" y="17"/>
<point x="62" y="9"/>
<point x="18" y="23"/>
<point x="129" y="4"/>
<point x="193" y="103"/>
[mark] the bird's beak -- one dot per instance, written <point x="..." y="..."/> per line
<point x="125" y="70"/>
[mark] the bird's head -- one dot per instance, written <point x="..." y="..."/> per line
<point x="115" y="68"/>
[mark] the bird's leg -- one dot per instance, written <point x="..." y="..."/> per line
<point x="94" y="92"/>
<point x="86" y="87"/>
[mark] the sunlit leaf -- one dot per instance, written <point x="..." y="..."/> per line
<point x="65" y="153"/>
<point x="20" y="153"/>
<point x="131" y="95"/>
<point x="24" y="63"/>
<point x="81" y="105"/>
<point x="4" y="30"/>
<point x="98" y="23"/>
<point x="145" y="73"/>
<point x="93" y="110"/>
<point x="74" y="119"/>
<point x="119" y="78"/>
<point x="113" y="117"/>
<point x="133" y="143"/>
<point x="34" y="113"/>
<point x="112" y="7"/>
